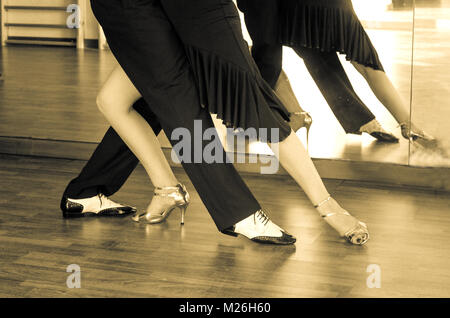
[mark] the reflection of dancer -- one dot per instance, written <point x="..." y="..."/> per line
<point x="325" y="68"/>
<point x="332" y="26"/>
<point x="228" y="81"/>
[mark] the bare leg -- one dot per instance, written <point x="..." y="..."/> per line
<point x="115" y="101"/>
<point x="294" y="158"/>
<point x="385" y="91"/>
<point x="299" y="118"/>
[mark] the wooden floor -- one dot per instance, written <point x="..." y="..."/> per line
<point x="410" y="232"/>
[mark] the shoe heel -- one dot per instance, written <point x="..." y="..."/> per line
<point x="230" y="232"/>
<point x="183" y="213"/>
<point x="72" y="215"/>
<point x="308" y="127"/>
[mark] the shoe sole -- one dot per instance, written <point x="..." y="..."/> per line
<point x="105" y="213"/>
<point x="260" y="240"/>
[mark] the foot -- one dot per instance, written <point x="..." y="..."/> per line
<point x="375" y="129"/>
<point x="418" y="136"/>
<point x="99" y="205"/>
<point x="259" y="228"/>
<point x="346" y="225"/>
<point x="164" y="201"/>
<point x="299" y="120"/>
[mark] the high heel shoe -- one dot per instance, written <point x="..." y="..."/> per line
<point x="181" y="201"/>
<point x="358" y="234"/>
<point x="299" y="120"/>
<point x="284" y="91"/>
<point x="418" y="137"/>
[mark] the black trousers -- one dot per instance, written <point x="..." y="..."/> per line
<point x="145" y="44"/>
<point x="327" y="71"/>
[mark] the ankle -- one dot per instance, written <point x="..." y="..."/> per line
<point x="329" y="206"/>
<point x="172" y="183"/>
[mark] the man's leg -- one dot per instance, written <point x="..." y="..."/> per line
<point x="104" y="174"/>
<point x="334" y="84"/>
<point x="111" y="163"/>
<point x="164" y="78"/>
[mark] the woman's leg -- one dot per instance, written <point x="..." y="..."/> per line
<point x="223" y="41"/>
<point x="388" y="95"/>
<point x="115" y="101"/>
<point x="385" y="91"/>
<point x="295" y="159"/>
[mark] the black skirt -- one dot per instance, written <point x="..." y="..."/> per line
<point x="326" y="25"/>
<point x="228" y="79"/>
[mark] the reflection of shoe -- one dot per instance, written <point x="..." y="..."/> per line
<point x="177" y="197"/>
<point x="259" y="228"/>
<point x="284" y="91"/>
<point x="375" y="129"/>
<point x="299" y="120"/>
<point x="357" y="234"/>
<point x="419" y="137"/>
<point x="100" y="205"/>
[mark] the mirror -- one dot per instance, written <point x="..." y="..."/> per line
<point x="389" y="25"/>
<point x="419" y="75"/>
<point x="431" y="78"/>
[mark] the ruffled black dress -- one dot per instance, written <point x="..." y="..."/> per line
<point x="327" y="25"/>
<point x="228" y="80"/>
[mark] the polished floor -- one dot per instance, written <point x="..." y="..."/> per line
<point x="409" y="243"/>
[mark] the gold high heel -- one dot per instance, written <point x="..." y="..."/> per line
<point x="357" y="235"/>
<point x="181" y="201"/>
<point x="421" y="138"/>
<point x="300" y="120"/>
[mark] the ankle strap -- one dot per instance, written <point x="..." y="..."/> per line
<point x="323" y="202"/>
<point x="169" y="190"/>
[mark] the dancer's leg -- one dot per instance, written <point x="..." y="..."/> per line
<point x="332" y="81"/>
<point x="269" y="58"/>
<point x="295" y="159"/>
<point x="224" y="42"/>
<point x="385" y="91"/>
<point x="388" y="95"/>
<point x="114" y="101"/>
<point x="145" y="44"/>
<point x="111" y="163"/>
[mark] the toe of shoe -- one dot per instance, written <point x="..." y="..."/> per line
<point x="284" y="239"/>
<point x="381" y="136"/>
<point x="118" y="211"/>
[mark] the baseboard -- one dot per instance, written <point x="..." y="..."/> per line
<point x="429" y="178"/>
<point x="91" y="43"/>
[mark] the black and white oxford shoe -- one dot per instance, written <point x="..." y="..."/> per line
<point x="260" y="229"/>
<point x="99" y="205"/>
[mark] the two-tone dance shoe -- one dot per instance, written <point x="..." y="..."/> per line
<point x="99" y="205"/>
<point x="377" y="131"/>
<point x="170" y="198"/>
<point x="260" y="229"/>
